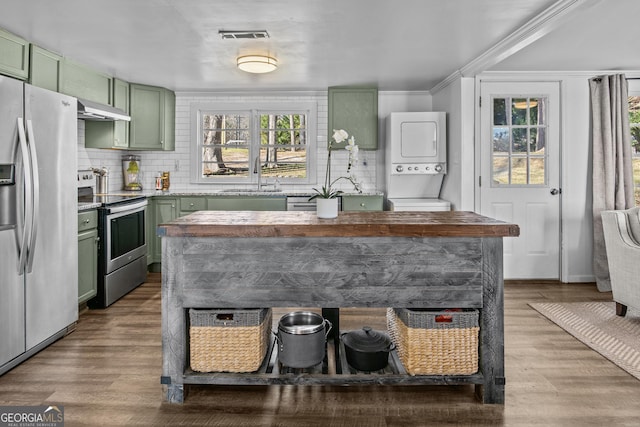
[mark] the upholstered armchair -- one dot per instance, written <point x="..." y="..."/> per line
<point x="622" y="239"/>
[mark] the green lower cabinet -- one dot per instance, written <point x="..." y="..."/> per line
<point x="165" y="209"/>
<point x="249" y="203"/>
<point x="87" y="255"/>
<point x="14" y="55"/>
<point x="362" y="203"/>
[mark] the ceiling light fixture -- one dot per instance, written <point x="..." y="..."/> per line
<point x="257" y="63"/>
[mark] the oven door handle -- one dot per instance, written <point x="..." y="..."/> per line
<point x="128" y="207"/>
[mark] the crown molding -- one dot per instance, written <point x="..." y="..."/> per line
<point x="541" y="25"/>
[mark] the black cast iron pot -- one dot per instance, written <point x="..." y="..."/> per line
<point x="366" y="349"/>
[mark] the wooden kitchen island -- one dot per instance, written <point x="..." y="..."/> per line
<point x="242" y="259"/>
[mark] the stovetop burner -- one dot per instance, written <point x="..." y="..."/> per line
<point x="107" y="200"/>
<point x="86" y="192"/>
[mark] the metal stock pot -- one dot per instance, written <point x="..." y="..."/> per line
<point x="302" y="336"/>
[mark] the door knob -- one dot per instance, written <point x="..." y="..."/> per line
<point x="555" y="191"/>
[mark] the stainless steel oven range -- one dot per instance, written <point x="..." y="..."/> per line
<point x="122" y="252"/>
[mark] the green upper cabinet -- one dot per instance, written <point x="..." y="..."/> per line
<point x="45" y="68"/>
<point x="356" y="111"/>
<point x="14" y="56"/>
<point x="99" y="134"/>
<point x="152" y="125"/>
<point x="83" y="82"/>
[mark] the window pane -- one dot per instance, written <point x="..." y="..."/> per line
<point x="500" y="170"/>
<point x="536" y="171"/>
<point x="518" y="170"/>
<point x="283" y="162"/>
<point x="500" y="111"/>
<point x="225" y="160"/>
<point x="519" y="111"/>
<point x="536" y="111"/>
<point x="519" y="138"/>
<point x="538" y="140"/>
<point x="500" y="140"/>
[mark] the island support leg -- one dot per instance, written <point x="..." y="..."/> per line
<point x="174" y="339"/>
<point x="492" y="323"/>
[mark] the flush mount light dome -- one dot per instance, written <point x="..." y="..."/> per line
<point x="257" y="63"/>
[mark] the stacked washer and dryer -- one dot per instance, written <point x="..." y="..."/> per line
<point x="416" y="161"/>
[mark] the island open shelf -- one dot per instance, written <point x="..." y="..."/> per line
<point x="360" y="259"/>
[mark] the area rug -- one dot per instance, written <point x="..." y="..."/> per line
<point x="596" y="325"/>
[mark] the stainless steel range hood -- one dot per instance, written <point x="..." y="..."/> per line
<point x="89" y="110"/>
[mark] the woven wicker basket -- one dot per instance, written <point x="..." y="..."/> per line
<point x="229" y="340"/>
<point x="428" y="346"/>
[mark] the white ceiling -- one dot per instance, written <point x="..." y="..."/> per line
<point x="392" y="44"/>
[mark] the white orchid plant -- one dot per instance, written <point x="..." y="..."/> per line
<point x="327" y="191"/>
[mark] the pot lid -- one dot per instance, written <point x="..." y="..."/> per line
<point x="366" y="339"/>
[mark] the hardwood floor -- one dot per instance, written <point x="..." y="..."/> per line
<point x="108" y="371"/>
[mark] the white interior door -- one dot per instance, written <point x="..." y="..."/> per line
<point x="520" y="172"/>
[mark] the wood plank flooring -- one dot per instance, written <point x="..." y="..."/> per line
<point x="108" y="371"/>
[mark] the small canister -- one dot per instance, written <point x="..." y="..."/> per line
<point x="165" y="181"/>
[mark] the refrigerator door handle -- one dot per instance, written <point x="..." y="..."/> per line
<point x="35" y="212"/>
<point x="28" y="187"/>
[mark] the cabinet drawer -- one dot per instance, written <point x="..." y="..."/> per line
<point x="192" y="204"/>
<point x="361" y="203"/>
<point x="87" y="220"/>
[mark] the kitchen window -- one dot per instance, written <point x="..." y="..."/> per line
<point x="262" y="143"/>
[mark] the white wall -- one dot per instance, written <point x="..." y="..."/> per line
<point x="457" y="100"/>
<point x="177" y="162"/>
<point x="576" y="217"/>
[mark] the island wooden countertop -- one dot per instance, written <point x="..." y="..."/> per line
<point x="347" y="224"/>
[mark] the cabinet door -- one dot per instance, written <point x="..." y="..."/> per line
<point x="83" y="82"/>
<point x="361" y="203"/>
<point x="165" y="210"/>
<point x="14" y="55"/>
<point x="87" y="265"/>
<point x="152" y="125"/>
<point x="45" y="68"/>
<point x="192" y="204"/>
<point x="356" y="111"/>
<point x="109" y="134"/>
<point x="251" y="203"/>
<point x="121" y="101"/>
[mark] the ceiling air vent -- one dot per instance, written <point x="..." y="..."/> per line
<point x="260" y="34"/>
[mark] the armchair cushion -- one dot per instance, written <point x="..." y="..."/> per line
<point x="622" y="239"/>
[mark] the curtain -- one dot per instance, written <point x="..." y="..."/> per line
<point x="611" y="156"/>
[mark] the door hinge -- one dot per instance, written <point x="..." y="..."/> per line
<point x="480" y="101"/>
<point x="479" y="181"/>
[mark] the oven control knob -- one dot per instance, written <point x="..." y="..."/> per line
<point x="409" y="168"/>
<point x="399" y="168"/>
<point x="438" y="168"/>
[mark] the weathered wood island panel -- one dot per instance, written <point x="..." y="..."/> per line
<point x="360" y="259"/>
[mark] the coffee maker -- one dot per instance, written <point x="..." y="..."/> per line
<point x="131" y="173"/>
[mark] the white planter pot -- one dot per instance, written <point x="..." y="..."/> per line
<point x="327" y="208"/>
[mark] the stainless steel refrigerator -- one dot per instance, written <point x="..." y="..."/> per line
<point x="38" y="219"/>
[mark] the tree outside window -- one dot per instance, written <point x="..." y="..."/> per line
<point x="634" y="123"/>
